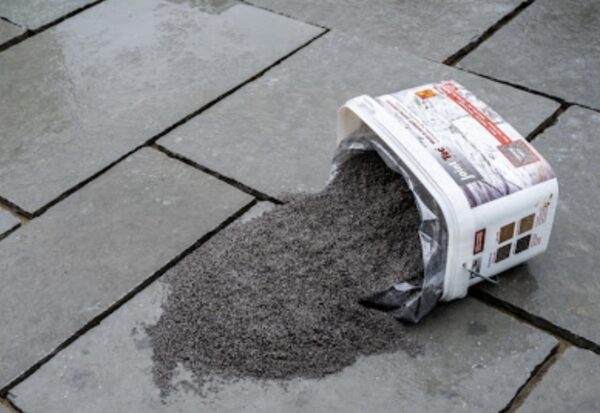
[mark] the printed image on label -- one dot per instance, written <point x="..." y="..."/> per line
<point x="479" y="241"/>
<point x="518" y="153"/>
<point x="482" y="153"/>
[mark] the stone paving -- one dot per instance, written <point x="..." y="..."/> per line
<point x="131" y="131"/>
<point x="8" y="31"/>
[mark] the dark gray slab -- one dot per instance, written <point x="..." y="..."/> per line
<point x="552" y="47"/>
<point x="7" y="221"/>
<point x="563" y="285"/>
<point x="571" y="385"/>
<point x="64" y="268"/>
<point x="282" y="136"/>
<point x="8" y="31"/>
<point x="474" y="359"/>
<point x="80" y="95"/>
<point x="432" y="29"/>
<point x="36" y="13"/>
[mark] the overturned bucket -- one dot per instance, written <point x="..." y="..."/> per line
<point x="486" y="197"/>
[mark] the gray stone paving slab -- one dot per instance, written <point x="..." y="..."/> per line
<point x="7" y="221"/>
<point x="474" y="358"/>
<point x="64" y="268"/>
<point x="36" y="13"/>
<point x="256" y="211"/>
<point x="552" y="47"/>
<point x="432" y="29"/>
<point x="563" y="285"/>
<point x="8" y="31"/>
<point x="82" y="94"/>
<point x="571" y="385"/>
<point x="282" y="136"/>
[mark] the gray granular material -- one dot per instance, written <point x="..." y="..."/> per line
<point x="277" y="297"/>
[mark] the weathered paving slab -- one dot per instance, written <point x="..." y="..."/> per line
<point x="89" y="90"/>
<point x="62" y="269"/>
<point x="563" y="284"/>
<point x="4" y="409"/>
<point x="37" y="13"/>
<point x="7" y="221"/>
<point x="474" y="359"/>
<point x="570" y="385"/>
<point x="283" y="136"/>
<point x="8" y="31"/>
<point x="552" y="47"/>
<point x="432" y="29"/>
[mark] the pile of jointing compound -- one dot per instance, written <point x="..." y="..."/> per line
<point x="277" y="297"/>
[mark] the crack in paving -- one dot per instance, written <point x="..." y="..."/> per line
<point x="14" y="209"/>
<point x="10" y="231"/>
<point x="548" y="123"/>
<point x="536" y="376"/>
<point x="32" y="32"/>
<point x="6" y="19"/>
<point x="261" y="196"/>
<point x="536" y="321"/>
<point x="459" y="55"/>
<point x="249" y="3"/>
<point x="559" y="100"/>
<point x="10" y="405"/>
<point x="125" y="298"/>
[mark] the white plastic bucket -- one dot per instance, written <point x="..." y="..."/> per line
<point x="487" y="198"/>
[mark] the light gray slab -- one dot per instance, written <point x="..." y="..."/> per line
<point x="474" y="358"/>
<point x="432" y="29"/>
<point x="36" y="13"/>
<point x="256" y="211"/>
<point x="563" y="285"/>
<point x="552" y="47"/>
<point x="277" y="134"/>
<point x="61" y="270"/>
<point x="571" y="385"/>
<point x="80" y="95"/>
<point x="7" y="221"/>
<point x="8" y="31"/>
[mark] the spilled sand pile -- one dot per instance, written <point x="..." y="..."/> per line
<point x="277" y="297"/>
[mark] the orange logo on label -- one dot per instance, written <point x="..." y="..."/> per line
<point x="426" y="93"/>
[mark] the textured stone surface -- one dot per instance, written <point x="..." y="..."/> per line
<point x="552" y="47"/>
<point x="7" y="32"/>
<point x="4" y="409"/>
<point x="474" y="359"/>
<point x="94" y="87"/>
<point x="256" y="211"/>
<point x="571" y="385"/>
<point x="563" y="285"/>
<point x="7" y="221"/>
<point x="61" y="270"/>
<point x="36" y="13"/>
<point x="432" y="29"/>
<point x="283" y="136"/>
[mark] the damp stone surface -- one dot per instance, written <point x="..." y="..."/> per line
<point x="61" y="270"/>
<point x="86" y="92"/>
<point x="562" y="284"/>
<point x="284" y="137"/>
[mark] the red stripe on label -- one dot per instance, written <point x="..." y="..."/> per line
<point x="451" y="91"/>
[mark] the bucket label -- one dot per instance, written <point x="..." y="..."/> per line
<point x="484" y="155"/>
